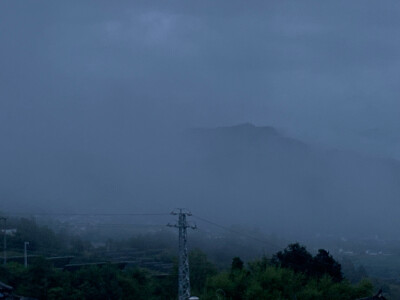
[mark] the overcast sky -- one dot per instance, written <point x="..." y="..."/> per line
<point x="325" y="71"/>
<point x="86" y="87"/>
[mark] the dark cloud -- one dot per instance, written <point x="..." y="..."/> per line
<point x="84" y="82"/>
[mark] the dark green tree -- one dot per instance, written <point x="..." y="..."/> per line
<point x="237" y="264"/>
<point x="200" y="269"/>
<point x="323" y="263"/>
<point x="295" y="257"/>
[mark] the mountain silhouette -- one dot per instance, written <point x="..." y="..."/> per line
<point x="256" y="173"/>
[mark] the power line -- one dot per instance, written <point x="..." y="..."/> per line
<point x="238" y="232"/>
<point x="119" y="224"/>
<point x="88" y="214"/>
<point x="144" y="215"/>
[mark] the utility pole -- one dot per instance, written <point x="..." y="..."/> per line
<point x="183" y="276"/>
<point x="4" y="239"/>
<point x="26" y="254"/>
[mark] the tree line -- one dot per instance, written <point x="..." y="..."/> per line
<point x="292" y="273"/>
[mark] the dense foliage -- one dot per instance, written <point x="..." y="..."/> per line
<point x="260" y="279"/>
<point x="297" y="258"/>
<point x="42" y="281"/>
<point x="293" y="273"/>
